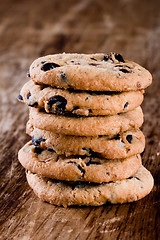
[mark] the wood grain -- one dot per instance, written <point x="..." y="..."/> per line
<point x="30" y="29"/>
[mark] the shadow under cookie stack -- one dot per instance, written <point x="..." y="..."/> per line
<point x="84" y="120"/>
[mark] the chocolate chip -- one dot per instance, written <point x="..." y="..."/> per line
<point x="50" y="150"/>
<point x="37" y="141"/>
<point x="28" y="74"/>
<point x="78" y="166"/>
<point x="129" y="138"/>
<point x="124" y="70"/>
<point x="38" y="150"/>
<point x="122" y="141"/>
<point x="137" y="178"/>
<point x="33" y="105"/>
<point x="94" y="59"/>
<point x="63" y="77"/>
<point x="60" y="103"/>
<point x="124" y="66"/>
<point x="75" y="108"/>
<point x="112" y="57"/>
<point x="28" y="96"/>
<point x="42" y="62"/>
<point x="90" y="162"/>
<point x="107" y="173"/>
<point x="49" y="66"/>
<point x="130" y="177"/>
<point x="126" y="105"/>
<point x="117" y="137"/>
<point x="105" y="58"/>
<point x="20" y="97"/>
<point x="89" y="152"/>
<point x="94" y="64"/>
<point x="119" y="57"/>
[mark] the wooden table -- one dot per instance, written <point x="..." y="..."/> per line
<point x="29" y="29"/>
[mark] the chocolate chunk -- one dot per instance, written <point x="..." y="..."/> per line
<point x="122" y="141"/>
<point x="89" y="152"/>
<point x="137" y="178"/>
<point x="37" y="142"/>
<point x="105" y="58"/>
<point x="42" y="62"/>
<point x="94" y="59"/>
<point x="28" y="96"/>
<point x="107" y="173"/>
<point x="117" y="137"/>
<point x="60" y="103"/>
<point x="119" y="57"/>
<point x="124" y="66"/>
<point x="63" y="77"/>
<point x="75" y="108"/>
<point x="38" y="150"/>
<point x="94" y="64"/>
<point x="33" y="105"/>
<point x="112" y="57"/>
<point x="129" y="138"/>
<point x="90" y="162"/>
<point x="130" y="177"/>
<point x="28" y="74"/>
<point x="126" y="105"/>
<point x="50" y="150"/>
<point x="124" y="70"/>
<point x="49" y="66"/>
<point x="20" y="97"/>
<point x="78" y="166"/>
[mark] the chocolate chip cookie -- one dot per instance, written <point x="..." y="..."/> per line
<point x="95" y="72"/>
<point x="48" y="163"/>
<point x="121" y="145"/>
<point x="87" y="103"/>
<point x="82" y="193"/>
<point x="86" y="126"/>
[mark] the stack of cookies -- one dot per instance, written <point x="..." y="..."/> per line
<point x="84" y="122"/>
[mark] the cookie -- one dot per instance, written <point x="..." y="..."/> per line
<point x="87" y="103"/>
<point x="76" y="168"/>
<point x="122" y="145"/>
<point x="94" y="194"/>
<point x="86" y="126"/>
<point x="95" y="72"/>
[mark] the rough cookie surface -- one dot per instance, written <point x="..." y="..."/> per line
<point x="76" y="168"/>
<point x="95" y="72"/>
<point x="86" y="126"/>
<point x="121" y="145"/>
<point x="74" y="193"/>
<point x="87" y="103"/>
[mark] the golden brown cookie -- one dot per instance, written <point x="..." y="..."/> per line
<point x="87" y="103"/>
<point x="121" y="145"/>
<point x="76" y="168"/>
<point x="95" y="72"/>
<point x="83" y="193"/>
<point x="86" y="126"/>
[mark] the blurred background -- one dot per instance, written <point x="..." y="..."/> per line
<point x="32" y="28"/>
